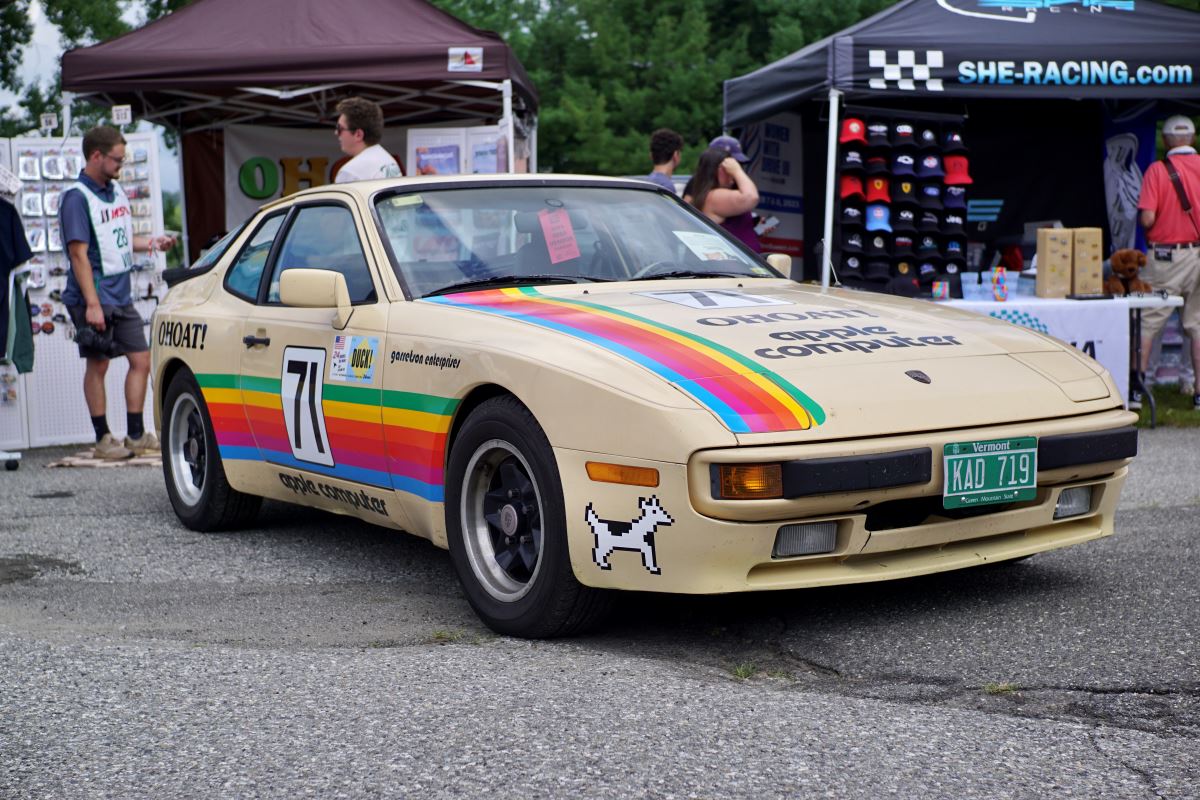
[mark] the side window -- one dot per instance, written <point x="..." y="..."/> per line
<point x="245" y="274"/>
<point x="324" y="237"/>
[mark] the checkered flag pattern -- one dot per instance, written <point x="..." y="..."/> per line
<point x="1025" y="320"/>
<point x="905" y="73"/>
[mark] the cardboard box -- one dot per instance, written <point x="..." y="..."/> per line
<point x="1055" y="257"/>
<point x="1087" y="275"/>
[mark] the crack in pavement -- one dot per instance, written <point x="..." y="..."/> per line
<point x="1143" y="774"/>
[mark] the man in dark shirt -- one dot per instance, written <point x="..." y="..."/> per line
<point x="665" y="148"/>
<point x="95" y="219"/>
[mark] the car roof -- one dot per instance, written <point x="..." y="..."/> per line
<point x="368" y="188"/>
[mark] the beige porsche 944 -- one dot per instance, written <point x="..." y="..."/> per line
<point x="579" y="385"/>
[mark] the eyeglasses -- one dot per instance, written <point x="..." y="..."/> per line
<point x="338" y="129"/>
<point x="119" y="161"/>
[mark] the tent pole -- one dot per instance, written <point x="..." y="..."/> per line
<point x="183" y="217"/>
<point x="506" y="88"/>
<point x="830" y="177"/>
<point x="67" y="99"/>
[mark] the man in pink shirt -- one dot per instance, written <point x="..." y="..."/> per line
<point x="1172" y="226"/>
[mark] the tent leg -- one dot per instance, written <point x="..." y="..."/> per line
<point x="183" y="218"/>
<point x="830" y="178"/>
<point x="512" y="124"/>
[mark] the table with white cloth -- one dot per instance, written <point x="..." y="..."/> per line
<point x="1108" y="330"/>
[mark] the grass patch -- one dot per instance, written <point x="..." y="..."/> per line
<point x="1000" y="688"/>
<point x="744" y="672"/>
<point x="1174" y="409"/>
<point x="445" y="637"/>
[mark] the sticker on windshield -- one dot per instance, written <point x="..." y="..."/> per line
<point x="354" y="359"/>
<point x="560" y="238"/>
<point x="707" y="246"/>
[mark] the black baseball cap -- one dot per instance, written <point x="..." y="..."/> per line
<point x="904" y="135"/>
<point x="878" y="270"/>
<point x="902" y="245"/>
<point x="927" y="138"/>
<point x="905" y="220"/>
<point x="877" y="134"/>
<point x="929" y="222"/>
<point x="851" y="267"/>
<point x="852" y="216"/>
<point x="852" y="242"/>
<point x="931" y="196"/>
<point x="952" y="142"/>
<point x="852" y="160"/>
<point x="904" y="192"/>
<point x="877" y="165"/>
<point x="877" y="245"/>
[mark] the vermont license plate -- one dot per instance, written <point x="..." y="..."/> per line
<point x="993" y="471"/>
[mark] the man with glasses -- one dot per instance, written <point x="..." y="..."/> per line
<point x="96" y="223"/>
<point x="359" y="129"/>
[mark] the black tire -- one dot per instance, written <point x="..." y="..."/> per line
<point x="195" y="476"/>
<point x="502" y="477"/>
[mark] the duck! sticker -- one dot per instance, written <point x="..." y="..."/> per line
<point x="354" y="359"/>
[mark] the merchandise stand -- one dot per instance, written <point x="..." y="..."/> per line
<point x="49" y="408"/>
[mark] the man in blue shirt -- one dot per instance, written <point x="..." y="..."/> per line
<point x="96" y="223"/>
<point x="665" y="148"/>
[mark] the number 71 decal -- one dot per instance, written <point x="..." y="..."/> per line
<point x="301" y="383"/>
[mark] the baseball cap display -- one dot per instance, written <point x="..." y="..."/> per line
<point x="731" y="146"/>
<point x="878" y="270"/>
<point x="928" y="139"/>
<point x="852" y="215"/>
<point x="877" y="245"/>
<point x="952" y="223"/>
<point x="852" y="186"/>
<point x="903" y="164"/>
<point x="853" y="130"/>
<point x="877" y="165"/>
<point x="955" y="197"/>
<point x="877" y="134"/>
<point x="906" y="220"/>
<point x="904" y="193"/>
<point x="956" y="171"/>
<point x="877" y="190"/>
<point x="903" y="135"/>
<point x="952" y="142"/>
<point x="851" y="267"/>
<point x="902" y="245"/>
<point x="930" y="166"/>
<point x="852" y="161"/>
<point x="931" y="196"/>
<point x="852" y="242"/>
<point x="877" y="218"/>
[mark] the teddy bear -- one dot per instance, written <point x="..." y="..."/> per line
<point x="1124" y="278"/>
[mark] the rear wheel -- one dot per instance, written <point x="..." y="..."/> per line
<point x="507" y="528"/>
<point x="195" y="476"/>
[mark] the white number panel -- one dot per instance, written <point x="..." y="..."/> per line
<point x="302" y="381"/>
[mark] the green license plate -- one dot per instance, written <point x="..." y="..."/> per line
<point x="993" y="471"/>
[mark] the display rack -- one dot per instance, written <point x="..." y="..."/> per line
<point x="49" y="408"/>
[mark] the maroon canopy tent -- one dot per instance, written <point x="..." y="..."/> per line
<point x="287" y="63"/>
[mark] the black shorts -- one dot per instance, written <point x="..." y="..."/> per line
<point x="129" y="332"/>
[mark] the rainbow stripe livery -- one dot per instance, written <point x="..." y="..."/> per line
<point x="392" y="440"/>
<point x="745" y="396"/>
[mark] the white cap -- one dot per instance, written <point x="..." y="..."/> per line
<point x="1179" y="125"/>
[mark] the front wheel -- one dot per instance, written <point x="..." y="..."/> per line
<point x="507" y="528"/>
<point x="195" y="476"/>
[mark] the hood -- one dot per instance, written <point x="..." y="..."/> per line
<point x="772" y="357"/>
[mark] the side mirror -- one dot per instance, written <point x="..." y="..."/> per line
<point x="780" y="261"/>
<point x="316" y="288"/>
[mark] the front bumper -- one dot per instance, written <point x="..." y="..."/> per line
<point x="713" y="546"/>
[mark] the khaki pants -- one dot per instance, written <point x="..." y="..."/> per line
<point x="1180" y="275"/>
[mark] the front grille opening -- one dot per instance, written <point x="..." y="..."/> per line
<point x="925" y="510"/>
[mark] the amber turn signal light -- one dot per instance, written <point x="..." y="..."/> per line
<point x="750" y="481"/>
<point x="620" y="473"/>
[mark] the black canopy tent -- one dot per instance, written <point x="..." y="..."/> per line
<point x="287" y="63"/>
<point x="987" y="60"/>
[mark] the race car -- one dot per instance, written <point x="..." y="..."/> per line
<point x="580" y="385"/>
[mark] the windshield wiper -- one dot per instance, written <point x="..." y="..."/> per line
<point x="692" y="273"/>
<point x="511" y="280"/>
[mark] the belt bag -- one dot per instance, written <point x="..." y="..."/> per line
<point x="1183" y="198"/>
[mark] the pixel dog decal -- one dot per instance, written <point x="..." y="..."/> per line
<point x="637" y="535"/>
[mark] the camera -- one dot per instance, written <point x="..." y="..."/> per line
<point x="98" y="341"/>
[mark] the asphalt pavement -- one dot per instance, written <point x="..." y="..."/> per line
<point x="315" y="656"/>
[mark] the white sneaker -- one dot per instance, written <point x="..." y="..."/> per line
<point x="146" y="443"/>
<point x="109" y="449"/>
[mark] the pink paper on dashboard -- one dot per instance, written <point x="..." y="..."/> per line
<point x="560" y="238"/>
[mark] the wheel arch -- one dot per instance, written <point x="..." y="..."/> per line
<point x="166" y="374"/>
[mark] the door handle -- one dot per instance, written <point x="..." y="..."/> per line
<point x="251" y="341"/>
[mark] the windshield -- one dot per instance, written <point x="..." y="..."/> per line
<point x="448" y="240"/>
